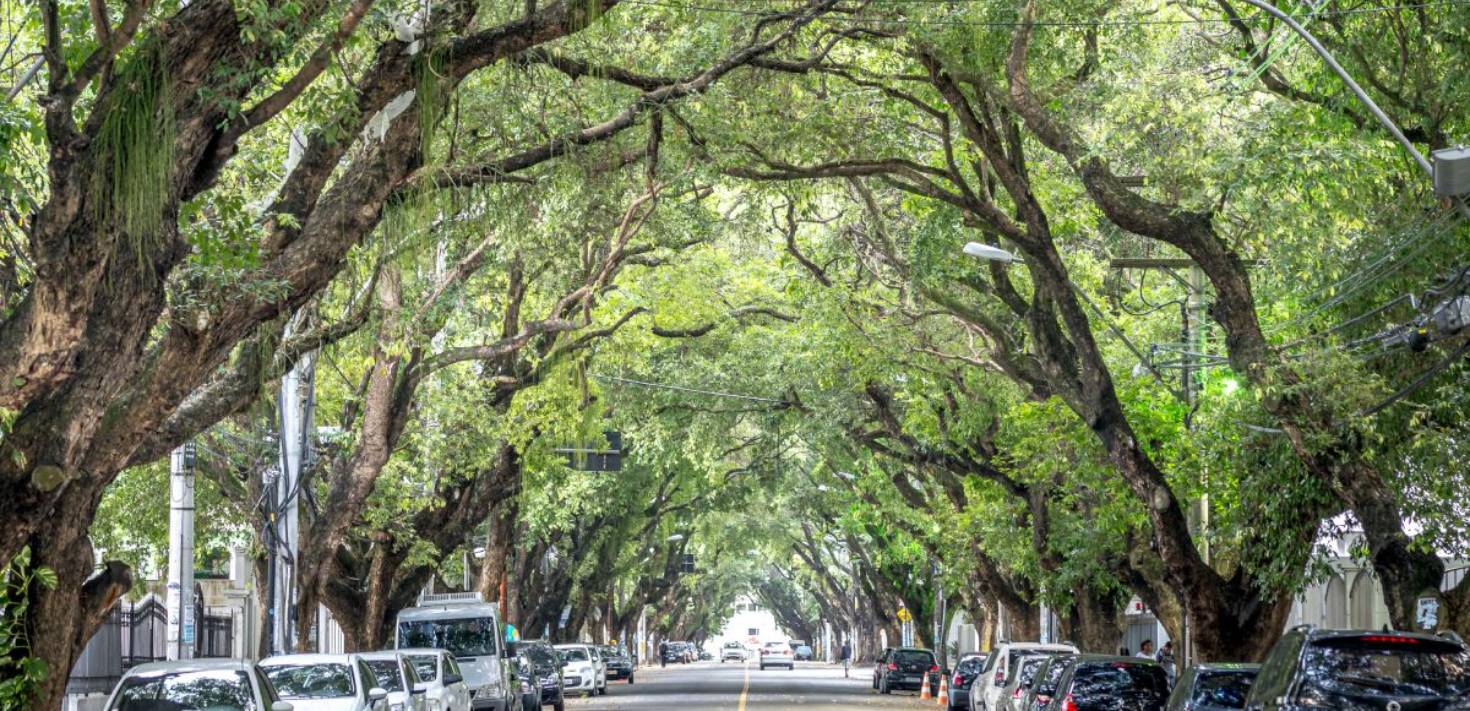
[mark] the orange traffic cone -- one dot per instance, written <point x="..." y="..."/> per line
<point x="944" y="691"/>
<point x="924" y="693"/>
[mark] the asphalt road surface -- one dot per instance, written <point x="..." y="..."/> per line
<point x="711" y="686"/>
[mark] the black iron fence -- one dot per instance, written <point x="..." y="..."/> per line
<point x="135" y="634"/>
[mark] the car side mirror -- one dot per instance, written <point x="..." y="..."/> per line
<point x="377" y="693"/>
<point x="420" y="689"/>
<point x="452" y="679"/>
<point x="282" y="706"/>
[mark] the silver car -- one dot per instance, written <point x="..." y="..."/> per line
<point x="442" y="679"/>
<point x="325" y="682"/>
<point x="397" y="675"/>
<point x="216" y="684"/>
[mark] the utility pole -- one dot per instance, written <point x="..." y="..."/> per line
<point x="180" y="597"/>
<point x="296" y="401"/>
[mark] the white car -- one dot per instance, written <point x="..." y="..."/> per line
<point x="580" y="670"/>
<point x="1001" y="665"/>
<point x="777" y="654"/>
<point x="600" y="660"/>
<point x="325" y="682"/>
<point x="215" y="684"/>
<point x="732" y="651"/>
<point x="397" y="675"/>
<point x="443" y="682"/>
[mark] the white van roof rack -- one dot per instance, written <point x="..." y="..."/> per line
<point x="460" y="598"/>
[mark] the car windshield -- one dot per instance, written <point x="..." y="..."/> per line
<point x="1113" y="680"/>
<point x="969" y="665"/>
<point x="610" y="651"/>
<point x="311" y="681"/>
<point x="538" y="654"/>
<point x="1223" y="689"/>
<point x="1388" y="666"/>
<point x="221" y="690"/>
<point x="913" y="656"/>
<point x="575" y="654"/>
<point x="387" y="672"/>
<point x="426" y="666"/>
<point x="469" y="637"/>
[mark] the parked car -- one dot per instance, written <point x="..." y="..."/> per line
<point x="776" y="654"/>
<point x="965" y="672"/>
<point x="1044" y="685"/>
<point x="580" y="670"/>
<point x="803" y="653"/>
<point x="396" y="674"/>
<point x="1099" y="682"/>
<point x="541" y="670"/>
<point x="1314" y="669"/>
<point x="1000" y="666"/>
<point x="601" y="663"/>
<point x="1013" y="694"/>
<point x="470" y="629"/>
<point x="905" y="668"/>
<point x="325" y="682"/>
<point x="732" y="651"/>
<point x="619" y="663"/>
<point x="1213" y="687"/>
<point x="216" y="684"/>
<point x="679" y="653"/>
<point x="441" y="679"/>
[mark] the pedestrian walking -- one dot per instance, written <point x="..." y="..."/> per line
<point x="1165" y="658"/>
<point x="663" y="654"/>
<point x="846" y="658"/>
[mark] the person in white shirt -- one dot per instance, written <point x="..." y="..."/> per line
<point x="1146" y="650"/>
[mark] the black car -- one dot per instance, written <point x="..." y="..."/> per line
<point x="1099" y="682"/>
<point x="541" y="668"/>
<point x="619" y="664"/>
<point x="964" y="675"/>
<point x="905" y="668"/>
<point x="1364" y="671"/>
<point x="1213" y="687"/>
<point x="1044" y="685"/>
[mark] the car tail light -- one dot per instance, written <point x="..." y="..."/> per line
<point x="1388" y="639"/>
<point x="933" y="668"/>
<point x="893" y="666"/>
<point x="1017" y="693"/>
<point x="1000" y="676"/>
<point x="1069" y="704"/>
<point x="959" y="680"/>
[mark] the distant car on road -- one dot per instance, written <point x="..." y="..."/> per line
<point x="1317" y="669"/>
<point x="732" y="651"/>
<point x="581" y="672"/>
<point x="1099" y="682"/>
<point x="965" y="672"/>
<point x="905" y="668"/>
<point x="325" y="682"/>
<point x="619" y="663"/>
<point x="1213" y="687"/>
<point x="216" y="684"/>
<point x="777" y="654"/>
<point x="803" y="653"/>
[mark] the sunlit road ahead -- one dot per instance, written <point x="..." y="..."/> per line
<point x="711" y="685"/>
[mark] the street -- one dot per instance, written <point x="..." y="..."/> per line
<point x="712" y="686"/>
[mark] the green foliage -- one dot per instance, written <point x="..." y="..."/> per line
<point x="136" y="141"/>
<point x="20" y="674"/>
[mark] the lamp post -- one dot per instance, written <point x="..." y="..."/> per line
<point x="996" y="254"/>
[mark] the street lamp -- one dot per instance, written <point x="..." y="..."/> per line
<point x="996" y="254"/>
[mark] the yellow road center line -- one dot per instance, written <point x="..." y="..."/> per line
<point x="745" y="691"/>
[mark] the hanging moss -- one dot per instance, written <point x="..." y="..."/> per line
<point x="432" y="95"/>
<point x="136" y="145"/>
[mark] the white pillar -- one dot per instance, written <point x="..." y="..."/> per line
<point x="180" y="598"/>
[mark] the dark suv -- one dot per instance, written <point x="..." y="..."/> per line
<point x="542" y="667"/>
<point x="1097" y="682"/>
<point x="1213" y="687"/>
<point x="905" y="668"/>
<point x="1364" y="671"/>
<point x="619" y="664"/>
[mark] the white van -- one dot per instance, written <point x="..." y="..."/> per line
<point x="469" y="628"/>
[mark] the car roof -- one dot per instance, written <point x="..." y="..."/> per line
<point x="451" y="611"/>
<point x="913" y="649"/>
<point x="311" y="658"/>
<point x="1316" y="634"/>
<point x="570" y="645"/>
<point x="380" y="656"/>
<point x="1094" y="658"/>
<point x="188" y="665"/>
<point x="1227" y="667"/>
<point x="420" y="651"/>
<point x="1041" y="645"/>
